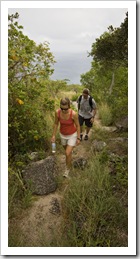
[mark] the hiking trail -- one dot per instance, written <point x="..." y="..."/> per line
<point x="39" y="222"/>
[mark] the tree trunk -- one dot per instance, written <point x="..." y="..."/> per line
<point x="112" y="83"/>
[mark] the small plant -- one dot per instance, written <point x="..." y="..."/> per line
<point x="105" y="114"/>
<point x="75" y="97"/>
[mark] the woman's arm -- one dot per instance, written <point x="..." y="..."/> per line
<point x="56" y="122"/>
<point x="76" y="121"/>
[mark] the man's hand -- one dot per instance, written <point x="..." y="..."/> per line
<point x="92" y="120"/>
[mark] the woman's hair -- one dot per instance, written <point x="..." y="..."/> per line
<point x="65" y="101"/>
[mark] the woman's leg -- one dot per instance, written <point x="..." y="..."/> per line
<point x="68" y="151"/>
<point x="69" y="156"/>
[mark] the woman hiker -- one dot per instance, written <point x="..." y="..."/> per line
<point x="69" y="130"/>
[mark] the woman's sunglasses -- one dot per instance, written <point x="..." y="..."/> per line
<point x="64" y="109"/>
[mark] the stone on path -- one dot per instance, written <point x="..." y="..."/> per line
<point x="41" y="176"/>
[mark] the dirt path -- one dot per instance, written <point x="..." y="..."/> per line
<point x="45" y="216"/>
<point x="40" y="222"/>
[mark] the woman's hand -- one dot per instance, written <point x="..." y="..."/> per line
<point x="77" y="142"/>
<point x="53" y="139"/>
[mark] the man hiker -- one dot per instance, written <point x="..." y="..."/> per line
<point x="86" y="112"/>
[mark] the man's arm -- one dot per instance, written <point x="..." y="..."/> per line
<point x="94" y="107"/>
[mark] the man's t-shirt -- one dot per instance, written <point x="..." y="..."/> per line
<point x="85" y="108"/>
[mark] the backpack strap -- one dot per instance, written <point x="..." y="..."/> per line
<point x="79" y="100"/>
<point x="90" y="102"/>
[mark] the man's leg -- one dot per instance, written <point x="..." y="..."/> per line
<point x="81" y="121"/>
<point x="87" y="130"/>
<point x="88" y="127"/>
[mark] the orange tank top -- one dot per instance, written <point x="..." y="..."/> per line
<point x="67" y="127"/>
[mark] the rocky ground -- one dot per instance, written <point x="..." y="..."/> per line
<point x="39" y="222"/>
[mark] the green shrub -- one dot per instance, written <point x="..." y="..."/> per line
<point x="105" y="114"/>
<point x="75" y="97"/>
<point x="19" y="197"/>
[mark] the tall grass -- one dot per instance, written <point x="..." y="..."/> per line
<point x="19" y="197"/>
<point x="105" y="114"/>
<point x="93" y="215"/>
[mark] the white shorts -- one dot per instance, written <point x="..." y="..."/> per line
<point x="69" y="139"/>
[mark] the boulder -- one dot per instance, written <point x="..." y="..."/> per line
<point x="98" y="145"/>
<point x="41" y="176"/>
<point x="33" y="156"/>
<point x="119" y="139"/>
<point x="55" y="207"/>
<point x="109" y="129"/>
<point x="80" y="163"/>
<point x="122" y="124"/>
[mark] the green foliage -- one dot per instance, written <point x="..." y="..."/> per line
<point x="108" y="76"/>
<point x="75" y="97"/>
<point x="29" y="99"/>
<point x="19" y="197"/>
<point x="30" y="108"/>
<point x="87" y="79"/>
<point x="112" y="46"/>
<point x="105" y="114"/>
<point x="120" y="179"/>
<point x="28" y="124"/>
<point x="118" y="100"/>
<point x="27" y="60"/>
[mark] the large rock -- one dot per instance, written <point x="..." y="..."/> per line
<point x="109" y="129"/>
<point x="119" y="139"/>
<point x="122" y="124"/>
<point x="80" y="163"/>
<point x="98" y="145"/>
<point x="41" y="176"/>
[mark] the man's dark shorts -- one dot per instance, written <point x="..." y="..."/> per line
<point x="87" y="121"/>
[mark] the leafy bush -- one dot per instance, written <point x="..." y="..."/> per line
<point x="29" y="99"/>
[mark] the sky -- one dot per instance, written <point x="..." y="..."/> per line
<point x="70" y="33"/>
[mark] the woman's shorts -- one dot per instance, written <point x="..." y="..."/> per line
<point x="86" y="121"/>
<point x="69" y="139"/>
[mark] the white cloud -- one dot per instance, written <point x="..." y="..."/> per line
<point x="66" y="23"/>
<point x="68" y="30"/>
